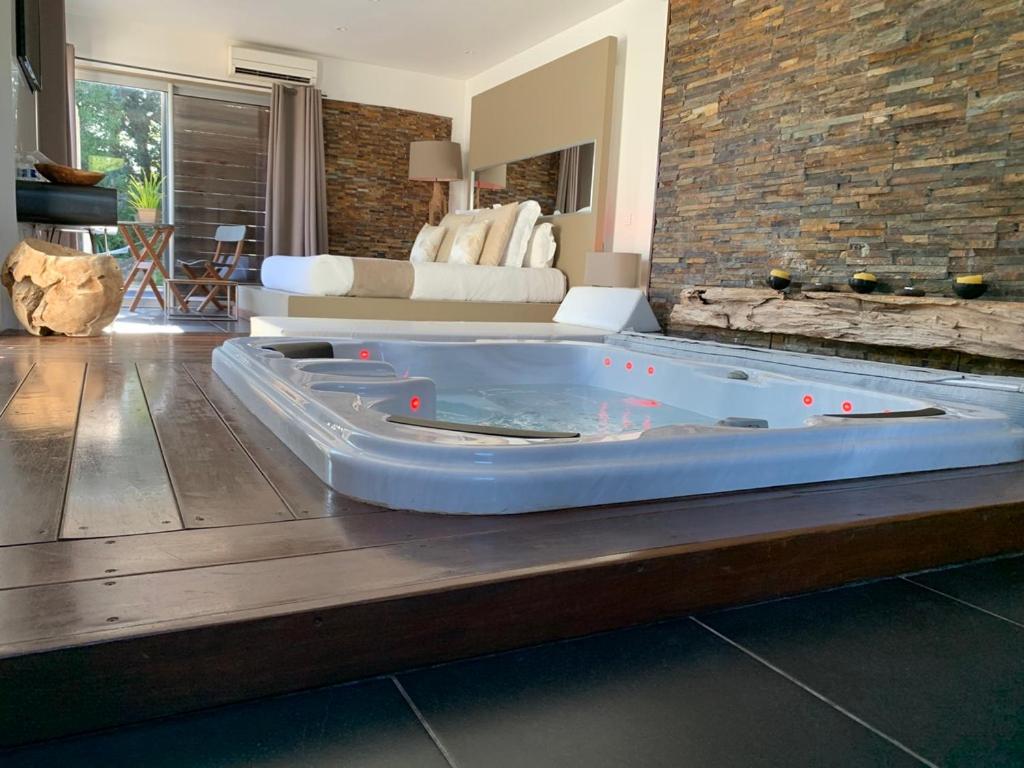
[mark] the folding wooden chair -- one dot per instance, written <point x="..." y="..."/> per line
<point x="220" y="267"/>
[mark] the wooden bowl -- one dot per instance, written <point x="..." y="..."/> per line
<point x="62" y="174"/>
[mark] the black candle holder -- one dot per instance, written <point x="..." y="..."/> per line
<point x="969" y="286"/>
<point x="779" y="279"/>
<point x="863" y="282"/>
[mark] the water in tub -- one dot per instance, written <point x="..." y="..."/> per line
<point x="557" y="408"/>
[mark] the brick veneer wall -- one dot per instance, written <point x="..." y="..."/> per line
<point x="372" y="207"/>
<point x="533" y="179"/>
<point x="834" y="137"/>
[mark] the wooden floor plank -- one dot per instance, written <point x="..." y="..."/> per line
<point x="214" y="480"/>
<point x="186" y="347"/>
<point x="12" y="373"/>
<point x="37" y="431"/>
<point x="305" y="493"/>
<point x="119" y="484"/>
<point x="679" y="521"/>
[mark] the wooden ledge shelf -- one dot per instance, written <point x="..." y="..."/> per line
<point x="988" y="328"/>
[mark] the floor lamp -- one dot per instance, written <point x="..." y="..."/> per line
<point x="436" y="161"/>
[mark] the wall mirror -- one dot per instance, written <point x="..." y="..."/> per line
<point x="562" y="181"/>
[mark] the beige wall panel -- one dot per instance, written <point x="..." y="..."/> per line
<point x="563" y="103"/>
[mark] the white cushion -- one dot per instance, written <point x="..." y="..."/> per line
<point x="610" y="309"/>
<point x="541" y="252"/>
<point x="428" y="241"/>
<point x="321" y="275"/>
<point x="469" y="242"/>
<point x="526" y="218"/>
<point x="429" y="330"/>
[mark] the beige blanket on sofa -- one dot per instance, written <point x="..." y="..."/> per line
<point x="381" y="278"/>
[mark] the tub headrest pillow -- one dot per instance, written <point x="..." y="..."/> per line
<point x="303" y="350"/>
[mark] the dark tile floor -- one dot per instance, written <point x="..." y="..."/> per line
<point x="923" y="670"/>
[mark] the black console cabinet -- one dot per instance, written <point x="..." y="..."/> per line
<point x="66" y="204"/>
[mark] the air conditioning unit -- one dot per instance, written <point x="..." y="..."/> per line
<point x="257" y="66"/>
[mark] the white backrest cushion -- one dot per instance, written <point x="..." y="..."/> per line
<point x="609" y="309"/>
<point x="320" y="275"/>
<point x="541" y="252"/>
<point x="428" y="241"/>
<point x="526" y="219"/>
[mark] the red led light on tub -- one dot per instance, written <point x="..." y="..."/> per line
<point x="639" y="402"/>
<point x="607" y="362"/>
<point x="364" y="354"/>
<point x="414" y="403"/>
<point x="629" y="365"/>
<point x="847" y="406"/>
<point x="650" y="370"/>
<point x="808" y="400"/>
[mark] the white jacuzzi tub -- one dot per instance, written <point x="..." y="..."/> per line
<point x="518" y="426"/>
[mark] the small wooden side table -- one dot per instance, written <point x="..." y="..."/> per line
<point x="148" y="252"/>
<point x="213" y="286"/>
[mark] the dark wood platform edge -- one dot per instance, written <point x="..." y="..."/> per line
<point x="67" y="691"/>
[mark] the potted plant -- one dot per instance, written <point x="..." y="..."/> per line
<point x="144" y="194"/>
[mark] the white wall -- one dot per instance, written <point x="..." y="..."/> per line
<point x="200" y="53"/>
<point x="640" y="26"/>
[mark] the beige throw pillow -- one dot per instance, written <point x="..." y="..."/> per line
<point x="501" y="220"/>
<point x="451" y="223"/>
<point x="469" y="242"/>
<point x="427" y="243"/>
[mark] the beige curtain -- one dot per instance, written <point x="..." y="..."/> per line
<point x="568" y="198"/>
<point x="296" y="181"/>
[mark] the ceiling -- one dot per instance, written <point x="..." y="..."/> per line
<point x="451" y="38"/>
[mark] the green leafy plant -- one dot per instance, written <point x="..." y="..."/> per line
<point x="145" y="191"/>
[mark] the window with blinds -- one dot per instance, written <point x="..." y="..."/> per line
<point x="220" y="167"/>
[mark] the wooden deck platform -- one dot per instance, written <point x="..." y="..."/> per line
<point x="161" y="551"/>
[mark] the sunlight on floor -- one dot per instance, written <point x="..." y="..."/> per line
<point x="151" y="320"/>
<point x="143" y="321"/>
<point x="128" y="326"/>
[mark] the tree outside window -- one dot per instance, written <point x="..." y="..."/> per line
<point x="121" y="133"/>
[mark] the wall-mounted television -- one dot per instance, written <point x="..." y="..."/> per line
<point x="27" y="41"/>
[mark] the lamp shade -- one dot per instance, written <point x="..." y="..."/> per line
<point x="435" y="161"/>
<point x="614" y="270"/>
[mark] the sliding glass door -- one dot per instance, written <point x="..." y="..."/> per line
<point x="122" y="132"/>
<point x="208" y="144"/>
